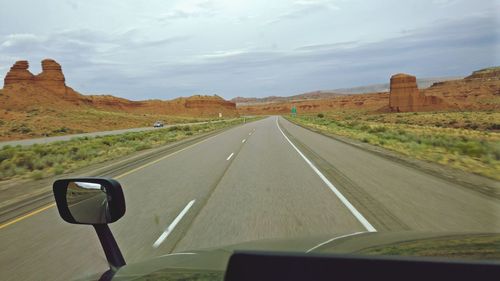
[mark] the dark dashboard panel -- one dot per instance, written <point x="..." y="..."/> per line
<point x="261" y="266"/>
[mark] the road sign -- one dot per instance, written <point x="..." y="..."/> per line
<point x="294" y="111"/>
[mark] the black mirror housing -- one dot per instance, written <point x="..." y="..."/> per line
<point x="109" y="190"/>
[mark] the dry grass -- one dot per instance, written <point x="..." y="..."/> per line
<point x="479" y="246"/>
<point x="469" y="141"/>
<point x="41" y="160"/>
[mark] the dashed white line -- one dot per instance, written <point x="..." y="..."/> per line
<point x="249" y="134"/>
<point x="171" y="227"/>
<point x="344" y="200"/>
<point x="230" y="156"/>
<point x="244" y="140"/>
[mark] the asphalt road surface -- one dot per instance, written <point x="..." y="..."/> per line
<point x="256" y="181"/>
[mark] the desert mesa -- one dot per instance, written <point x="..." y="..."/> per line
<point x="43" y="105"/>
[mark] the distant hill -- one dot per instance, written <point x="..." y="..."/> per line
<point x="478" y="91"/>
<point x="322" y="94"/>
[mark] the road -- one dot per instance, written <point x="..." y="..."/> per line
<point x="93" y="134"/>
<point x="261" y="180"/>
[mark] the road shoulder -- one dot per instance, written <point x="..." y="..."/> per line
<point x="483" y="185"/>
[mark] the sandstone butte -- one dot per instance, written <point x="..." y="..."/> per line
<point x="24" y="91"/>
<point x="479" y="91"/>
<point x="404" y="96"/>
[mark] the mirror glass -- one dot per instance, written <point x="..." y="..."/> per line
<point x="88" y="202"/>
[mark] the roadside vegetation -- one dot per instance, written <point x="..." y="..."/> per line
<point x="477" y="246"/>
<point x="41" y="160"/>
<point x="46" y="122"/>
<point x="469" y="141"/>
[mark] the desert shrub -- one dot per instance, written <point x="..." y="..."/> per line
<point x="496" y="152"/>
<point x="142" y="146"/>
<point x="321" y="115"/>
<point x="494" y="126"/>
<point x="377" y="129"/>
<point x="36" y="175"/>
<point x="61" y="130"/>
<point x="22" y="129"/>
<point x="173" y="128"/>
<point x="58" y="169"/>
<point x="7" y="152"/>
<point x="472" y="126"/>
<point x="473" y="149"/>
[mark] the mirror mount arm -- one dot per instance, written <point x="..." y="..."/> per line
<point x="109" y="245"/>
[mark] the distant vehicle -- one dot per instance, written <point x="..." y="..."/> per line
<point x="158" y="124"/>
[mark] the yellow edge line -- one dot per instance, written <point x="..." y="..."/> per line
<point x="117" y="177"/>
<point x="27" y="215"/>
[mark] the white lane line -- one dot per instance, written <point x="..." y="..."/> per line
<point x="230" y="156"/>
<point x="178" y="254"/>
<point x="333" y="239"/>
<point x="171" y="227"/>
<point x="166" y="156"/>
<point x="249" y="134"/>
<point x="344" y="200"/>
<point x="244" y="140"/>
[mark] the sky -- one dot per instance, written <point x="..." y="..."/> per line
<point x="165" y="49"/>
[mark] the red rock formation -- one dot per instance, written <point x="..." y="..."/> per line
<point x="51" y="76"/>
<point x="405" y="96"/>
<point x="18" y="73"/>
<point x="208" y="102"/>
<point x="404" y="93"/>
<point x="488" y="74"/>
<point x="25" y="91"/>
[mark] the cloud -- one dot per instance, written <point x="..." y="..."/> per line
<point x="444" y="3"/>
<point x="453" y="47"/>
<point x="189" y="9"/>
<point x="304" y="8"/>
<point x="448" y="48"/>
<point x="84" y="43"/>
<point x="346" y="44"/>
<point x="84" y="54"/>
<point x="12" y="41"/>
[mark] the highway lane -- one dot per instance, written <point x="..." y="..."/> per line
<point x="155" y="194"/>
<point x="268" y="192"/>
<point x="396" y="197"/>
<point x="248" y="183"/>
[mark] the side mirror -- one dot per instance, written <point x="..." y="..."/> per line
<point x="94" y="201"/>
<point x="89" y="200"/>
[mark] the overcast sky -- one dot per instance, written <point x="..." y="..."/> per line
<point x="165" y="49"/>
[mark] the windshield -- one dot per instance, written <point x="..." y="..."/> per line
<point x="319" y="126"/>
